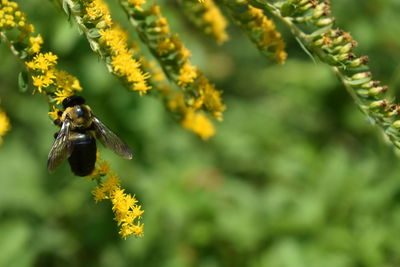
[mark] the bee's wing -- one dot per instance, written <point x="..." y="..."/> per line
<point x="110" y="139"/>
<point x="62" y="147"/>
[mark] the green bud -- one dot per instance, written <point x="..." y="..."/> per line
<point x="378" y="90"/>
<point x="324" y="22"/>
<point x="378" y="104"/>
<point x="319" y="42"/>
<point x="101" y="25"/>
<point x="396" y="124"/>
<point x="305" y="7"/>
<point x="370" y="84"/>
<point x="361" y="75"/>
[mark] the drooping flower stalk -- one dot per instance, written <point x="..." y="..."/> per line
<point x="259" y="28"/>
<point x="207" y="17"/>
<point x="57" y="85"/>
<point x="154" y="30"/>
<point x="313" y="26"/>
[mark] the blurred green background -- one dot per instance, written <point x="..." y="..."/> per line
<point x="296" y="176"/>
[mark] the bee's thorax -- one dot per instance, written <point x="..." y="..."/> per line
<point x="79" y="115"/>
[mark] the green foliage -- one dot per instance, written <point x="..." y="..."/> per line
<point x="294" y="177"/>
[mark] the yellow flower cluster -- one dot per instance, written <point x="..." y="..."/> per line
<point x="206" y="16"/>
<point x="174" y="58"/>
<point x="45" y="77"/>
<point x="191" y="119"/>
<point x="113" y="40"/>
<point x="5" y="125"/>
<point x="216" y="21"/>
<point x="270" y="40"/>
<point x="127" y="212"/>
<point x="45" y="66"/>
<point x="198" y="123"/>
<point x="11" y="17"/>
<point x="97" y="10"/>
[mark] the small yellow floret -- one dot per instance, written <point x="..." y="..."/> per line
<point x="199" y="124"/>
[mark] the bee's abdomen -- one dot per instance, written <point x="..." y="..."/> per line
<point x="83" y="157"/>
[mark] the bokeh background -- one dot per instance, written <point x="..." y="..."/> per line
<point x="296" y="176"/>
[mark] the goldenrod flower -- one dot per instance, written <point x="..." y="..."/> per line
<point x="112" y="41"/>
<point x="206" y="16"/>
<point x="42" y="62"/>
<point x="43" y="81"/>
<point x="5" y="125"/>
<point x="54" y="114"/>
<point x="174" y="58"/>
<point x="65" y="81"/>
<point x="187" y="74"/>
<point x="198" y="123"/>
<point x="60" y="95"/>
<point x="35" y="44"/>
<point x="259" y="28"/>
<point x="127" y="212"/>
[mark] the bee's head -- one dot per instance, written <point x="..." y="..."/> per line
<point x="73" y="101"/>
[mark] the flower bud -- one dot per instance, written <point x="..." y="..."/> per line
<point x="370" y="84"/>
<point x="378" y="104"/>
<point x="324" y="22"/>
<point x="361" y="75"/>
<point x="359" y="61"/>
<point x="378" y="90"/>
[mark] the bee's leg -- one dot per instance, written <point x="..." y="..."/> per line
<point x="56" y="134"/>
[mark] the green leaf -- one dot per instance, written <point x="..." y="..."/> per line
<point x="23" y="81"/>
<point x="66" y="8"/>
<point x="322" y="30"/>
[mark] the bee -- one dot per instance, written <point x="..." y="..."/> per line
<point x="76" y="139"/>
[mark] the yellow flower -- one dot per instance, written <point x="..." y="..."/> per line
<point x="98" y="10"/>
<point x="270" y="40"/>
<point x="215" y="21"/>
<point x="5" y="125"/>
<point x="43" y="81"/>
<point x="35" y="43"/>
<point x="165" y="46"/>
<point x="54" y="113"/>
<point x="211" y="98"/>
<point x="198" y="123"/>
<point x="187" y="74"/>
<point x="137" y="4"/>
<point x="127" y="212"/>
<point x="61" y="95"/>
<point x="66" y="81"/>
<point x="42" y="62"/>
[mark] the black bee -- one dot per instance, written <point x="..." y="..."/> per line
<point x="77" y="138"/>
